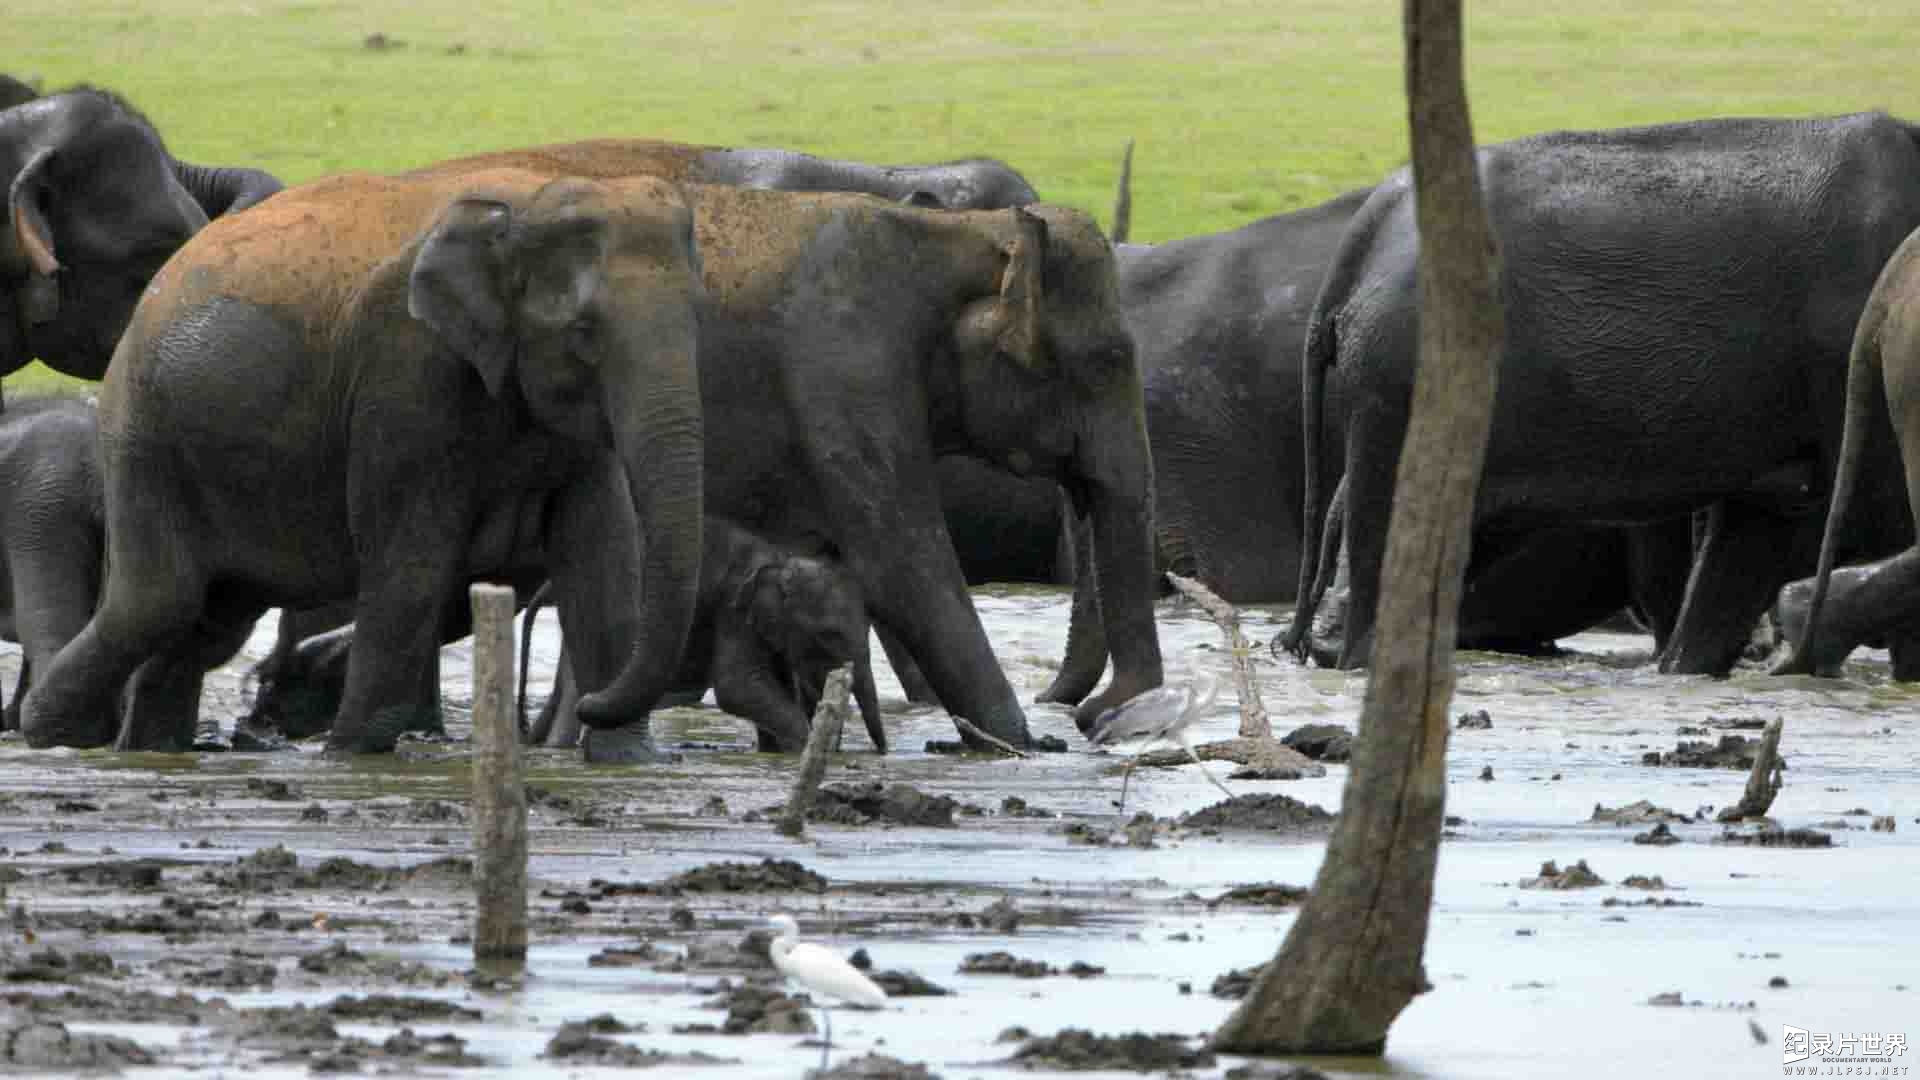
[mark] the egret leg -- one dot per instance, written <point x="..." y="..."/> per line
<point x="1188" y="747"/>
<point x="826" y="1046"/>
<point x="1125" y="776"/>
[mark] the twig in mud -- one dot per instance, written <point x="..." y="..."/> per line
<point x="829" y="718"/>
<point x="968" y="730"/>
<point x="1763" y="783"/>
<point x="1254" y="723"/>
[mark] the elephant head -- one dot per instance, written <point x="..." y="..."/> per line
<point x="812" y="613"/>
<point x="94" y="206"/>
<point x="1045" y="383"/>
<point x="580" y="299"/>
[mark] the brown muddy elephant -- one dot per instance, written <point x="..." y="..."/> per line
<point x="380" y="389"/>
<point x="1101" y="413"/>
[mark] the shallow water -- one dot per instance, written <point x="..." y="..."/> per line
<point x="1527" y="983"/>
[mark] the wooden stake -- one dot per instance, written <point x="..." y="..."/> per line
<point x="1351" y="960"/>
<point x="1763" y="783"/>
<point x="828" y="720"/>
<point x="499" y="791"/>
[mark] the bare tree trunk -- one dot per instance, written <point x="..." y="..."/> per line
<point x="1352" y="960"/>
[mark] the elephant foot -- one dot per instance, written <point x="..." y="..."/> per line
<point x="45" y="728"/>
<point x="209" y="739"/>
<point x="769" y="741"/>
<point x="380" y="734"/>
<point x="631" y="744"/>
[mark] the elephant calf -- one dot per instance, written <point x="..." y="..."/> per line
<point x="772" y="624"/>
<point x="769" y="627"/>
<point x="52" y="531"/>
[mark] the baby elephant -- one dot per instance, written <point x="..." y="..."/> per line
<point x="52" y="530"/>
<point x="771" y="625"/>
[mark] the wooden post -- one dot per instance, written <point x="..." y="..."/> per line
<point x="1123" y="200"/>
<point x="499" y="791"/>
<point x="1763" y="783"/>
<point x="828" y="720"/>
<point x="1352" y="959"/>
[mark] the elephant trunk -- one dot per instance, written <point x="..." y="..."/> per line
<point x="224" y="190"/>
<point x="1086" y="658"/>
<point x="1118" y="477"/>
<point x="868" y="696"/>
<point x="653" y="403"/>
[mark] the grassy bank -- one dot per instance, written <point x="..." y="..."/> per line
<point x="1241" y="109"/>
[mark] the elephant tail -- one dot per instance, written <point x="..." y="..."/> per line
<point x="1322" y="350"/>
<point x="1123" y="199"/>
<point x="534" y="604"/>
<point x="1863" y="394"/>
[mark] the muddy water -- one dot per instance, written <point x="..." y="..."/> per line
<point x="1527" y="982"/>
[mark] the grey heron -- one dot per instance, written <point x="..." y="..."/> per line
<point x="1162" y="713"/>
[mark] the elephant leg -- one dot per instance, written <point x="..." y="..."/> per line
<point x="1086" y="659"/>
<point x="55" y="568"/>
<point x="594" y="563"/>
<point x="1659" y="561"/>
<point x="155" y="592"/>
<point x="868" y="698"/>
<point x="1368" y="509"/>
<point x="559" y="723"/>
<point x="1735" y="576"/>
<point x="912" y="679"/>
<point x="10" y="720"/>
<point x="1904" y="645"/>
<point x="1543" y="587"/>
<point x="747" y="684"/>
<point x="162" y="705"/>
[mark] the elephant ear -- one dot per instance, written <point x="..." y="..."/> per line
<point x="564" y="263"/>
<point x="27" y="241"/>
<point x="1018" y="313"/>
<point x="29" y="238"/>
<point x="766" y="602"/>
<point x="458" y="285"/>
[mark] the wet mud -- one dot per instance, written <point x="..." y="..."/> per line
<point x="287" y="915"/>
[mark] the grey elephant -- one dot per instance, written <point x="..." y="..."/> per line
<point x="1681" y="300"/>
<point x="430" y="381"/>
<point x="95" y="204"/>
<point x="52" y="530"/>
<point x="771" y="626"/>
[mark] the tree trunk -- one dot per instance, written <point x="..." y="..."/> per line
<point x="1352" y="960"/>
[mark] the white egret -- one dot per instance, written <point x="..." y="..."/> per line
<point x="1162" y="713"/>
<point x="819" y="970"/>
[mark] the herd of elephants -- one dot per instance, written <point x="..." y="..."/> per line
<point x="729" y="410"/>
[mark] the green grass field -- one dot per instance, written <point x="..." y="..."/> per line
<point x="1241" y="109"/>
